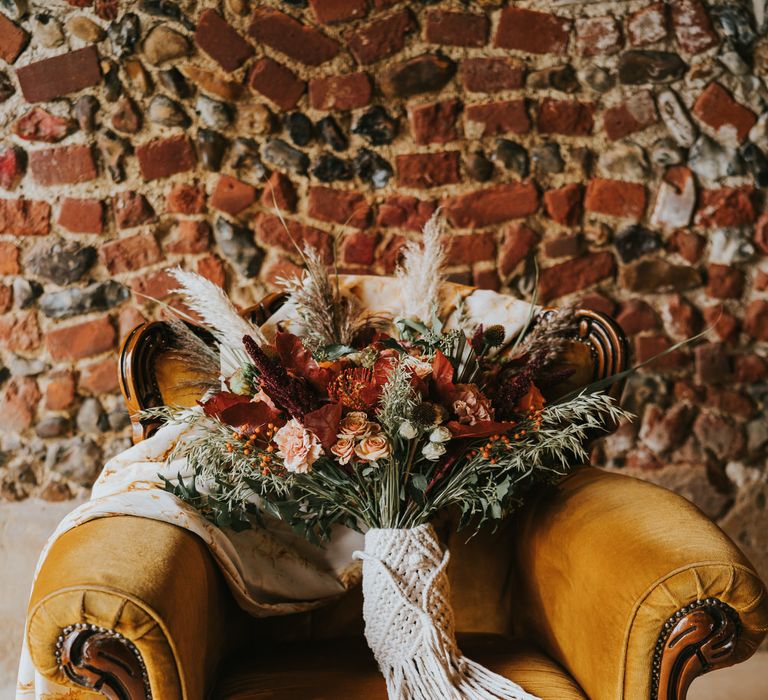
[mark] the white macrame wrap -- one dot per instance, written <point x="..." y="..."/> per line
<point x="409" y="622"/>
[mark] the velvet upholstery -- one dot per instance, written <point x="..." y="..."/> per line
<point x="588" y="573"/>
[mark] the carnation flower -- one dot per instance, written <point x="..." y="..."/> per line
<point x="473" y="407"/>
<point x="297" y="447"/>
<point x="440" y="434"/>
<point x="354" y="425"/>
<point x="344" y="450"/>
<point x="433" y="451"/>
<point x="372" y="448"/>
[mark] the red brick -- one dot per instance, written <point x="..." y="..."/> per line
<point x="717" y="109"/>
<point x="492" y="205"/>
<point x="25" y="217"/>
<point x="271" y="231"/>
<point x="532" y="31"/>
<point x="403" y="211"/>
<point x="339" y="206"/>
<point x="509" y="116"/>
<point x="598" y="35"/>
<point x="81" y="339"/>
<point x="165" y="157"/>
<point x="726" y="207"/>
<point x="60" y="75"/>
<point x="750" y="369"/>
<point x="486" y="278"/>
<point x="128" y="254"/>
<point x="624" y="200"/>
<point x="67" y="165"/>
<point x="13" y="164"/>
<point x="564" y="205"/>
<point x="280" y="193"/>
<point x="723" y="323"/>
<point x="637" y="316"/>
<point x="760" y="235"/>
<point x="280" y="269"/>
<point x="565" y="117"/>
<point x="128" y="319"/>
<point x="574" y="275"/>
<point x="221" y="41"/>
<point x="190" y="237"/>
<point x="729" y="402"/>
<point x="456" y="28"/>
<point x="359" y="248"/>
<point x="340" y="92"/>
<point x="6" y="298"/>
<point x="683" y="319"/>
<point x="425" y="170"/>
<point x="647" y="26"/>
<point x="277" y="83"/>
<point x="688" y="244"/>
<point x="471" y="248"/>
<point x="492" y="74"/>
<point x="184" y="198"/>
<point x="724" y="282"/>
<point x="13" y="39"/>
<point x="18" y="404"/>
<point x="756" y="319"/>
<point x="599" y="303"/>
<point x="232" y="195"/>
<point x="289" y="36"/>
<point x="39" y="125"/>
<point x="692" y="27"/>
<point x="635" y="113"/>
<point x="517" y="243"/>
<point x="334" y="11"/>
<point x="434" y="122"/>
<point x="564" y="246"/>
<point x="20" y="333"/>
<point x="212" y="268"/>
<point x="381" y="38"/>
<point x="159" y="284"/>
<point x="82" y="215"/>
<point x="9" y="256"/>
<point x="60" y="391"/>
<point x="99" y="377"/>
<point x="131" y="209"/>
<point x="649" y="346"/>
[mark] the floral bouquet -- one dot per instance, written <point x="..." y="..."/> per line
<point x="378" y="423"/>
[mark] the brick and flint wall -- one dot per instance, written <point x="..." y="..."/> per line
<point x="618" y="146"/>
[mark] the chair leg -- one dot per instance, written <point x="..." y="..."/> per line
<point x="698" y="638"/>
<point x="102" y="660"/>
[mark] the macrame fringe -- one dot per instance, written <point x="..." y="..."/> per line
<point x="409" y="622"/>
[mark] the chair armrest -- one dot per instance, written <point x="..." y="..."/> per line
<point x="606" y="560"/>
<point x="134" y="594"/>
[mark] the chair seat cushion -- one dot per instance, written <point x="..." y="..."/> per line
<point x="330" y="670"/>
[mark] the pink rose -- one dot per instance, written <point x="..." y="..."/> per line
<point x="354" y="425"/>
<point x="472" y="407"/>
<point x="372" y="448"/>
<point x="298" y="448"/>
<point x="344" y="450"/>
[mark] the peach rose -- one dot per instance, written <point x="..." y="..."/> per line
<point x="354" y="425"/>
<point x="344" y="450"/>
<point x="298" y="448"/>
<point x="372" y="448"/>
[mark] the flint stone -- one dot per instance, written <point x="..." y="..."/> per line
<point x="331" y="133"/>
<point x="561" y="78"/>
<point x="676" y="119"/>
<point x="86" y="29"/>
<point x="167" y="9"/>
<point x="164" y="44"/>
<point x="729" y="246"/>
<point x="173" y="80"/>
<point x="245" y="156"/>
<point x="53" y="426"/>
<point x="711" y="161"/>
<point x="547" y="159"/>
<point x="427" y="73"/>
<point x="278" y="153"/>
<point x="215" y="114"/>
<point x="635" y="241"/>
<point x="666" y="152"/>
<point x="372" y="168"/>
<point x="25" y="367"/>
<point x="674" y="204"/>
<point x="479" y="167"/>
<point x="7" y="88"/>
<point x="91" y="417"/>
<point x="78" y="459"/>
<point x="300" y="128"/>
<point x="512" y="156"/>
<point x="211" y="145"/>
<point x="599" y="79"/>
<point x="640" y="67"/>
<point x="25" y="292"/>
<point x="376" y="126"/>
<point x="113" y="151"/>
<point x="61" y="262"/>
<point x="734" y="23"/>
<point x="47" y="30"/>
<point x="330" y="168"/>
<point x="624" y="161"/>
<point x="86" y="108"/>
<point x="78" y="300"/>
<point x="124" y="34"/>
<point x="756" y="163"/>
<point x="167" y="112"/>
<point x="237" y="246"/>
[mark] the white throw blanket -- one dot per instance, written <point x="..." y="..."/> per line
<point x="302" y="576"/>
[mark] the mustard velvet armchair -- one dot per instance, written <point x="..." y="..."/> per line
<point x="602" y="587"/>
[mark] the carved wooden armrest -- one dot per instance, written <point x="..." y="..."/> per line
<point x="102" y="660"/>
<point x="698" y="638"/>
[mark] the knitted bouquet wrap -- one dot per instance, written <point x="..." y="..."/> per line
<point x="409" y="621"/>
